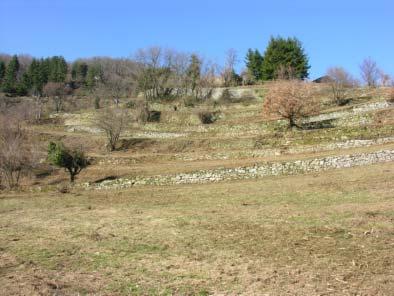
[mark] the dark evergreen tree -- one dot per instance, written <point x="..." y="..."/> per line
<point x="94" y="76"/>
<point x="23" y="86"/>
<point x="79" y="71"/>
<point x="57" y="69"/>
<point x="284" y="53"/>
<point x="2" y="71"/>
<point x="37" y="76"/>
<point x="254" y="64"/>
<point x="10" y="76"/>
<point x="45" y="68"/>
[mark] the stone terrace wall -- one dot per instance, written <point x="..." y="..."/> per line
<point x="255" y="171"/>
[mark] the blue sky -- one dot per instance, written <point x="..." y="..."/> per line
<point x="332" y="32"/>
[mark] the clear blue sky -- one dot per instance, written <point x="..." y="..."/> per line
<point x="333" y="32"/>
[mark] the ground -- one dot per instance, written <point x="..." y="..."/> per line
<point x="322" y="233"/>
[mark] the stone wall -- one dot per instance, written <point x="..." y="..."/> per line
<point x="256" y="171"/>
<point x="364" y="108"/>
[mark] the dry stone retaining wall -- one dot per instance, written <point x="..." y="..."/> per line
<point x="348" y="113"/>
<point x="255" y="171"/>
<point x="291" y="150"/>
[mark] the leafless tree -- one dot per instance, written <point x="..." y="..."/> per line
<point x="290" y="100"/>
<point x="16" y="153"/>
<point x="159" y="72"/>
<point x="370" y="72"/>
<point x="340" y="81"/>
<point x="57" y="91"/>
<point x="228" y="72"/>
<point x="385" y="79"/>
<point x="113" y="122"/>
<point x="38" y="107"/>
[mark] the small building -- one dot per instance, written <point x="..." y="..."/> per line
<point x="323" y="79"/>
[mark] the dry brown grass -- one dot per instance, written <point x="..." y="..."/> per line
<point x="328" y="233"/>
<point x="316" y="234"/>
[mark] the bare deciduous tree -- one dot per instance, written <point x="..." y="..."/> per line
<point x="385" y="79"/>
<point x="340" y="81"/>
<point x="57" y="91"/>
<point x="290" y="100"/>
<point x="113" y="123"/>
<point x="16" y="154"/>
<point x="228" y="73"/>
<point x="154" y="72"/>
<point x="370" y="72"/>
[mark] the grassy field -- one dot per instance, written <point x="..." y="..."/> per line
<point x="328" y="233"/>
<point x="321" y="234"/>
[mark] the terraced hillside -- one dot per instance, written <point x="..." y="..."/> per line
<point x="179" y="143"/>
<point x="240" y="206"/>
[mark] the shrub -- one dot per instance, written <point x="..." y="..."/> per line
<point x="142" y="112"/>
<point x="16" y="154"/>
<point x="97" y="102"/>
<point x="130" y="105"/>
<point x="391" y="96"/>
<point x="340" y="82"/>
<point x="58" y="91"/>
<point x="208" y="117"/>
<point x="289" y="100"/>
<point x="190" y="101"/>
<point x="154" y="116"/>
<point x="72" y="160"/>
<point x="226" y="96"/>
<point x="112" y="122"/>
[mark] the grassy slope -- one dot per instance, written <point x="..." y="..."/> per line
<point x="317" y="234"/>
<point x="330" y="233"/>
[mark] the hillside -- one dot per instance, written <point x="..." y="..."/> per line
<point x="239" y="206"/>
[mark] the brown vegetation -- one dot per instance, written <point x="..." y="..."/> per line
<point x="113" y="122"/>
<point x="57" y="91"/>
<point x="16" y="153"/>
<point x="370" y="72"/>
<point x="289" y="100"/>
<point x="340" y="81"/>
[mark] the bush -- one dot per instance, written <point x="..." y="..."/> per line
<point x="190" y="101"/>
<point x="97" y="103"/>
<point x="72" y="160"/>
<point x="391" y="96"/>
<point x="16" y="153"/>
<point x="289" y="100"/>
<point x="112" y="122"/>
<point x="142" y="112"/>
<point x="208" y="117"/>
<point x="226" y="96"/>
<point x="154" y="116"/>
<point x="130" y="105"/>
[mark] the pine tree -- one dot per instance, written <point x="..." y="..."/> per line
<point x="37" y="77"/>
<point x="287" y="54"/>
<point x="93" y="76"/>
<point x="10" y="76"/>
<point x="254" y="63"/>
<point x="2" y="71"/>
<point x="45" y="68"/>
<point x="57" y="69"/>
<point x="79" y="71"/>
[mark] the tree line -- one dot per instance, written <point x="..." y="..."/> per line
<point x="160" y="73"/>
<point x="156" y="72"/>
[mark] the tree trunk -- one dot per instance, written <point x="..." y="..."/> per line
<point x="292" y="122"/>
